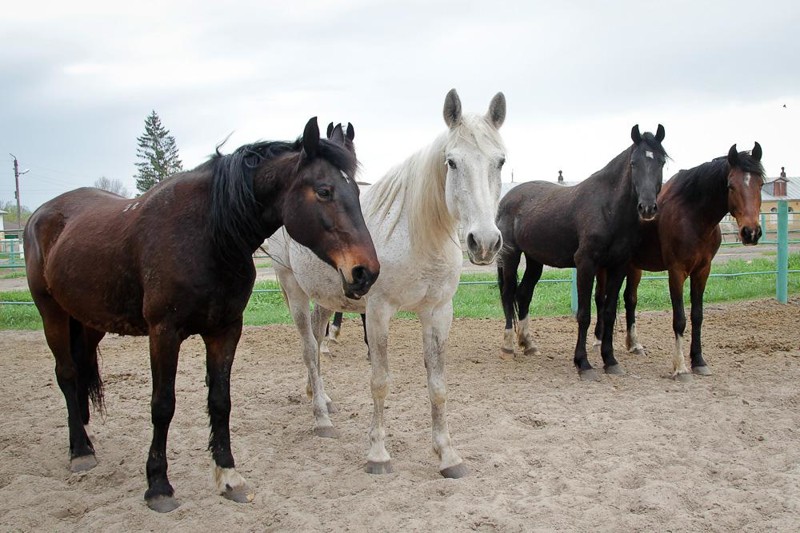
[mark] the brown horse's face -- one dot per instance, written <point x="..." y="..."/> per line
<point x="322" y="212"/>
<point x="647" y="170"/>
<point x="744" y="194"/>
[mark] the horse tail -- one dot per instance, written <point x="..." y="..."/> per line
<point x="85" y="359"/>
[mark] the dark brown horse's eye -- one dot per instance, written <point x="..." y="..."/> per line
<point x="324" y="193"/>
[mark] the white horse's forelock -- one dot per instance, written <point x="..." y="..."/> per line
<point x="416" y="187"/>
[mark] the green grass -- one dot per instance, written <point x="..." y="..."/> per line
<point x="482" y="300"/>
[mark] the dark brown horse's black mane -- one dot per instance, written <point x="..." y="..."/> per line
<point x="709" y="180"/>
<point x="235" y="213"/>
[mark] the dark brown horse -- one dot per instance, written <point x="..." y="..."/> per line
<point x="177" y="261"/>
<point x="592" y="225"/>
<point x="685" y="237"/>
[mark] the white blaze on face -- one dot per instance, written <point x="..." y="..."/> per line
<point x="648" y="154"/>
<point x="747" y="179"/>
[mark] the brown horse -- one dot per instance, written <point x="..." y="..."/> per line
<point x="592" y="225"/>
<point x="177" y="261"/>
<point x="685" y="237"/>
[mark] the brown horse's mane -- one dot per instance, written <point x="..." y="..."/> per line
<point x="710" y="178"/>
<point x="236" y="214"/>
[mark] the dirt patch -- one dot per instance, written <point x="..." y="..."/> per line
<point x="545" y="450"/>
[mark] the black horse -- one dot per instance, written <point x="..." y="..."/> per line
<point x="177" y="261"/>
<point x="592" y="225"/>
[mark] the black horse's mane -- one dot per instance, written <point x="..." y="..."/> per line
<point x="235" y="214"/>
<point x="650" y="140"/>
<point x="703" y="180"/>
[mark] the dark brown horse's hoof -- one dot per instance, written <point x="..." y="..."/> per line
<point x="384" y="467"/>
<point x="589" y="374"/>
<point x="615" y="370"/>
<point x="455" y="472"/>
<point x="163" y="504"/>
<point x="327" y="432"/>
<point x="683" y="377"/>
<point x="239" y="494"/>
<point x="701" y="370"/>
<point x="84" y="463"/>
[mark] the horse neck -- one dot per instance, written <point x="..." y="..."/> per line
<point x="704" y="191"/>
<point x="618" y="180"/>
<point x="417" y="187"/>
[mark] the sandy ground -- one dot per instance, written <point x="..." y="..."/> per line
<point x="546" y="451"/>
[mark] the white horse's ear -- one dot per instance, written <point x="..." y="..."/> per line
<point x="452" y="109"/>
<point x="497" y="110"/>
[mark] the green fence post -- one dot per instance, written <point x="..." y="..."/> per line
<point x="573" y="291"/>
<point x="782" y="279"/>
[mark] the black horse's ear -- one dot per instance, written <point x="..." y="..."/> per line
<point x="756" y="153"/>
<point x="636" y="137"/>
<point x="660" y="133"/>
<point x="351" y="132"/>
<point x="329" y="130"/>
<point x="452" y="109"/>
<point x="311" y="138"/>
<point x="336" y="135"/>
<point x="733" y="156"/>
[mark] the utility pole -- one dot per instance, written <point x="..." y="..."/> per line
<point x="17" y="174"/>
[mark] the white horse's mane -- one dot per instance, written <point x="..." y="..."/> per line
<point x="416" y="187"/>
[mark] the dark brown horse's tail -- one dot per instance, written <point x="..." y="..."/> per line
<point x="85" y="360"/>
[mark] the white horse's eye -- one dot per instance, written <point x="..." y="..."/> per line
<point x="451" y="164"/>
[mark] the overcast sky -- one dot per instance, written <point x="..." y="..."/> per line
<point x="77" y="80"/>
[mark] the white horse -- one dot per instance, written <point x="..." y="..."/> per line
<point x="414" y="214"/>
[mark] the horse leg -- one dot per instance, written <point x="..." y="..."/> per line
<point x="507" y="265"/>
<point x="332" y="331"/>
<point x="676" y="281"/>
<point x="585" y="279"/>
<point x="631" y="297"/>
<point x="164" y="347"/>
<point x="697" y="289"/>
<point x="378" y="317"/>
<point x="220" y="352"/>
<point x="599" y="303"/>
<point x="364" y="327"/>
<point x="299" y="308"/>
<point x="319" y="320"/>
<point x="435" y="331"/>
<point x="58" y="326"/>
<point x="614" y="279"/>
<point x="533" y="271"/>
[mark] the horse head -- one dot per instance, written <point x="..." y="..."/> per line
<point x="322" y="210"/>
<point x="647" y="166"/>
<point x="474" y="156"/>
<point x="745" y="178"/>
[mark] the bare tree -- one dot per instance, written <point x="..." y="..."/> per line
<point x="112" y="185"/>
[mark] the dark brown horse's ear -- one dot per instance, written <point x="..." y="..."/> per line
<point x="311" y="138"/>
<point x="452" y="109"/>
<point x="351" y="132"/>
<point x="756" y="153"/>
<point x="733" y="156"/>
<point x="636" y="137"/>
<point x="660" y="133"/>
<point x="497" y="110"/>
<point x="329" y="130"/>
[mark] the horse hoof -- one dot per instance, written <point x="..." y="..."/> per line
<point x="384" y="467"/>
<point x="683" y="377"/>
<point x="455" y="472"/>
<point x="163" y="504"/>
<point x="638" y="351"/>
<point x="701" y="370"/>
<point x="83" y="463"/>
<point x="332" y="409"/>
<point x="326" y="432"/>
<point x="589" y="374"/>
<point x="240" y="494"/>
<point x="615" y="370"/>
<point x="533" y="350"/>
<point x="506" y="354"/>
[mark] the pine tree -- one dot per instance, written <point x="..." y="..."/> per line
<point x="158" y="154"/>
